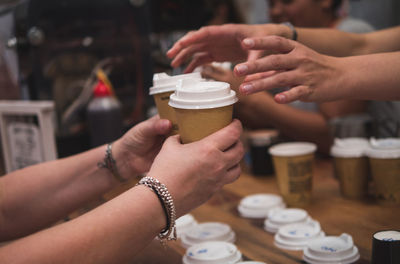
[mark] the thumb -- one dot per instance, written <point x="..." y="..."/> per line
<point x="154" y="127"/>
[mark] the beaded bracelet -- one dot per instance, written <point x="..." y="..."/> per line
<point x="110" y="164"/>
<point x="169" y="232"/>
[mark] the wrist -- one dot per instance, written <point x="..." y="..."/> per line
<point x="124" y="158"/>
<point x="288" y="31"/>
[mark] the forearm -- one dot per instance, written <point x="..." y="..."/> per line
<point x="293" y="123"/>
<point x="58" y="188"/>
<point x="112" y="233"/>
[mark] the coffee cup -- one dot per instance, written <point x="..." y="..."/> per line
<point x="351" y="166"/>
<point x="293" y="163"/>
<point x="384" y="159"/>
<point x="259" y="141"/>
<point x="202" y="108"/>
<point x="163" y="86"/>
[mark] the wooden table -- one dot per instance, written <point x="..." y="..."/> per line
<point x="336" y="215"/>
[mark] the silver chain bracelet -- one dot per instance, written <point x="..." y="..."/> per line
<point x="169" y="232"/>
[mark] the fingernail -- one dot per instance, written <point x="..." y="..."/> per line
<point x="281" y="98"/>
<point x="248" y="42"/>
<point x="247" y="88"/>
<point x="242" y="69"/>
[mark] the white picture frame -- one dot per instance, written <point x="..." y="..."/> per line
<point x="27" y="133"/>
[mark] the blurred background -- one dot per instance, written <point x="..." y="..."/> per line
<point x="53" y="50"/>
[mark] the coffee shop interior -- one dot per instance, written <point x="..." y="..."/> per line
<point x="81" y="82"/>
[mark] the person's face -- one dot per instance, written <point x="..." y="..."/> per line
<point x="301" y="13"/>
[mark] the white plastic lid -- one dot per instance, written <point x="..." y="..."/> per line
<point x="279" y="218"/>
<point x="388" y="235"/>
<point x="184" y="223"/>
<point x="202" y="95"/>
<point x="293" y="149"/>
<point x="296" y="236"/>
<point x="163" y="82"/>
<point x="208" y="231"/>
<point x="262" y="137"/>
<point x="349" y="147"/>
<point x="388" y="148"/>
<point x="251" y="262"/>
<point x="214" y="252"/>
<point x="259" y="205"/>
<point x="331" y="249"/>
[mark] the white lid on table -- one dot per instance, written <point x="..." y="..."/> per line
<point x="387" y="148"/>
<point x="293" y="149"/>
<point x="162" y="82"/>
<point x="259" y="205"/>
<point x="251" y="262"/>
<point x="349" y="147"/>
<point x="296" y="236"/>
<point x="279" y="218"/>
<point x="208" y="231"/>
<point x="184" y="223"/>
<point x="213" y="252"/>
<point x="331" y="249"/>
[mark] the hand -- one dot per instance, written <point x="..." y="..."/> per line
<point x="222" y="75"/>
<point x="135" y="151"/>
<point x="193" y="172"/>
<point x="310" y="75"/>
<point x="219" y="43"/>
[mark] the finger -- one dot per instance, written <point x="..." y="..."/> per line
<point x="212" y="72"/>
<point x="225" y="137"/>
<point x="295" y="93"/>
<point x="185" y="54"/>
<point x="232" y="175"/>
<point x="254" y="54"/>
<point x="154" y="127"/>
<point x="274" y="44"/>
<point x="180" y="44"/>
<point x="234" y="154"/>
<point x="276" y="62"/>
<point x="259" y="75"/>
<point x="281" y="79"/>
<point x="198" y="60"/>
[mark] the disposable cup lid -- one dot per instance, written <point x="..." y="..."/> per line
<point x="185" y="223"/>
<point x="208" y="231"/>
<point x="213" y="252"/>
<point x="163" y="82"/>
<point x="259" y="205"/>
<point x="331" y="249"/>
<point x="293" y="149"/>
<point x="296" y="236"/>
<point x="202" y="95"/>
<point x="279" y="218"/>
<point x="262" y="137"/>
<point x="349" y="147"/>
<point x="387" y="235"/>
<point x="251" y="262"/>
<point x="388" y="148"/>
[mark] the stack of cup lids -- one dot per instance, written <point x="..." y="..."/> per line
<point x="163" y="82"/>
<point x="349" y="147"/>
<point x="185" y="223"/>
<point x="388" y="148"/>
<point x="296" y="236"/>
<point x="259" y="205"/>
<point x="331" y="249"/>
<point x="212" y="252"/>
<point x="208" y="231"/>
<point x="278" y="218"/>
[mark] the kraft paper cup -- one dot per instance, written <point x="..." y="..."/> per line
<point x="351" y="166"/>
<point x="163" y="86"/>
<point x="202" y="108"/>
<point x="293" y="164"/>
<point x="384" y="158"/>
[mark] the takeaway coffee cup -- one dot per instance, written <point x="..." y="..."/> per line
<point x="259" y="143"/>
<point x="163" y="86"/>
<point x="202" y="108"/>
<point x="351" y="166"/>
<point x="293" y="164"/>
<point x="384" y="158"/>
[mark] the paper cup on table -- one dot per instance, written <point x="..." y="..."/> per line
<point x="214" y="252"/>
<point x="384" y="158"/>
<point x="202" y="108"/>
<point x="386" y="247"/>
<point x="293" y="164"/>
<point x="351" y="166"/>
<point x="163" y="86"/>
<point x="259" y="142"/>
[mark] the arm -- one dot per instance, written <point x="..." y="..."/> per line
<point x="117" y="230"/>
<point x="47" y="192"/>
<point x="315" y="77"/>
